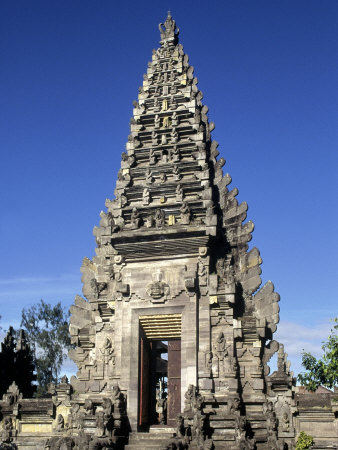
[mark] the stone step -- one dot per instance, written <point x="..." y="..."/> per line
<point x="155" y="439"/>
<point x="146" y="446"/>
<point x="152" y="435"/>
<point x="156" y="445"/>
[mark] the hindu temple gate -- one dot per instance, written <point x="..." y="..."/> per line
<point x="174" y="329"/>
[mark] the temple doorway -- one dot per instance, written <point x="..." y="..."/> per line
<point x="159" y="381"/>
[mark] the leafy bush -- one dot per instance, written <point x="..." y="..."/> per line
<point x="304" y="441"/>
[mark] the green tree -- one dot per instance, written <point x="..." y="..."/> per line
<point x="322" y="371"/>
<point x="46" y="328"/>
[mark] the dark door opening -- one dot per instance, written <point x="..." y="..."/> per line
<point x="159" y="381"/>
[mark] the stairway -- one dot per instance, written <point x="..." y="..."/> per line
<point x="155" y="439"/>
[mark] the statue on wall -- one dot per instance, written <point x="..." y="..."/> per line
<point x="88" y="407"/>
<point x="135" y="218"/>
<point x="117" y="399"/>
<point x="179" y="193"/>
<point x="176" y="173"/>
<point x="152" y="156"/>
<point x="221" y="348"/>
<point x="189" y="398"/>
<point x="149" y="176"/>
<point x="146" y="196"/>
<point x="159" y="217"/>
<point x="185" y="213"/>
<point x="60" y="423"/>
<point x="243" y="442"/>
<point x="7" y="430"/>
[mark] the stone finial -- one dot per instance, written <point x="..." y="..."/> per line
<point x="13" y="394"/>
<point x="168" y="30"/>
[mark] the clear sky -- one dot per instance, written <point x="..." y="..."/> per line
<point x="268" y="70"/>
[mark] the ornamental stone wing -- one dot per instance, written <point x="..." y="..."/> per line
<point x="266" y="303"/>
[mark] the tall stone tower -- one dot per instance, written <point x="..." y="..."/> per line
<point x="172" y="274"/>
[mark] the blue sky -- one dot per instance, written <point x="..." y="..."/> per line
<point x="268" y="71"/>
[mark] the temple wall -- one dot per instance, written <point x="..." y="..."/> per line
<point x="316" y="415"/>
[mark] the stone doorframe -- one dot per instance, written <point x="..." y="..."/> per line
<point x="130" y="351"/>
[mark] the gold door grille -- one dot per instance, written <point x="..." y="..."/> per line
<point x="161" y="326"/>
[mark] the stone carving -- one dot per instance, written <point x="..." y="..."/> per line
<point x="174" y="136"/>
<point x="82" y="441"/>
<point x="202" y="271"/>
<point x="285" y="422"/>
<point x="234" y="405"/>
<point x="88" y="407"/>
<point x="107" y="407"/>
<point x="100" y="429"/>
<point x="64" y="379"/>
<point x="146" y="196"/>
<point x="74" y="416"/>
<point x="193" y="399"/>
<point x="176" y="173"/>
<point x="154" y="139"/>
<point x="189" y="398"/>
<point x="158" y="288"/>
<point x="164" y="139"/>
<point x="164" y="156"/>
<point x="221" y="347"/>
<point x="242" y="441"/>
<point x="51" y="390"/>
<point x="152" y="156"/>
<point x="208" y="362"/>
<point x="135" y="218"/>
<point x="157" y="93"/>
<point x="185" y="213"/>
<point x="7" y="430"/>
<point x="107" y="351"/>
<point x="175" y="154"/>
<point x="270" y="415"/>
<point x="13" y="395"/>
<point x="60" y="423"/>
<point x="117" y="400"/>
<point x="94" y="288"/>
<point x="176" y="443"/>
<point x="60" y="443"/>
<point x="198" y="427"/>
<point x="159" y="218"/>
<point x="149" y="176"/>
<point x="179" y="193"/>
<point x="150" y="221"/>
<point x="173" y="104"/>
<point x="163" y="177"/>
<point x="180" y="431"/>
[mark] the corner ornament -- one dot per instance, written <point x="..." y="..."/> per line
<point x="158" y="290"/>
